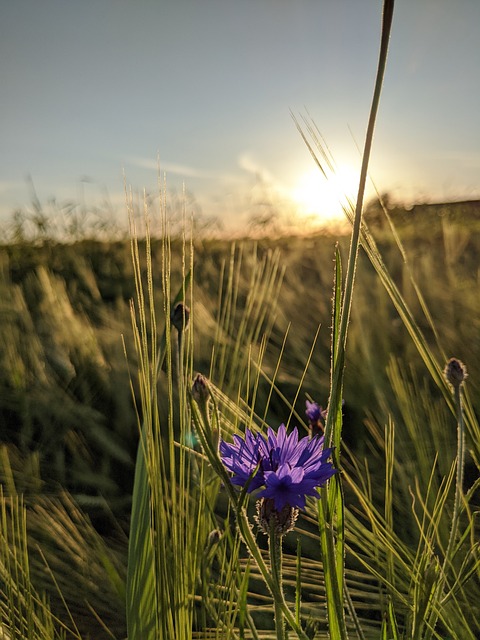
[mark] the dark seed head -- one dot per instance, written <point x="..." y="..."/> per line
<point x="455" y="372"/>
<point x="200" y="389"/>
<point x="180" y="316"/>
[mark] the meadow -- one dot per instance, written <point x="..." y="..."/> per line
<point x="69" y="423"/>
<point x="191" y="447"/>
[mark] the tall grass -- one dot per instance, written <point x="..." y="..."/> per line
<point x="396" y="520"/>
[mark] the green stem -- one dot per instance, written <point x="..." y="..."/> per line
<point x="249" y="540"/>
<point x="355" y="240"/>
<point x="179" y="364"/>
<point x="457" y="506"/>
<point x="275" y="549"/>
<point x="332" y="548"/>
<point x="334" y="590"/>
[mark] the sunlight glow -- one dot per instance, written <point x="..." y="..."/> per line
<point x="323" y="198"/>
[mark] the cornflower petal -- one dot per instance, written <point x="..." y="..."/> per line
<point x="242" y="458"/>
<point x="284" y="486"/>
<point x="284" y="448"/>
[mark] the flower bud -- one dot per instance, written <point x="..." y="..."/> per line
<point x="200" y="389"/>
<point x="455" y="372"/>
<point x="316" y="417"/>
<point x="212" y="540"/>
<point x="180" y="316"/>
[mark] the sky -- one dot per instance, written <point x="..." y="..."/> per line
<point x="94" y="93"/>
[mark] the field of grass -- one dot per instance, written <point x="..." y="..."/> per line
<point x="69" y="425"/>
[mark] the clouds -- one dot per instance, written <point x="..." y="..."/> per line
<point x="247" y="162"/>
<point x="178" y="169"/>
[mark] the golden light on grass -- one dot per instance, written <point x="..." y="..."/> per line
<point x="324" y="198"/>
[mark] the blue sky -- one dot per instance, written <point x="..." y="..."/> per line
<point x="95" y="88"/>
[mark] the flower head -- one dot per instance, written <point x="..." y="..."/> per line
<point x="288" y="468"/>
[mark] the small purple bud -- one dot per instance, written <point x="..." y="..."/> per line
<point x="313" y="411"/>
<point x="316" y="417"/>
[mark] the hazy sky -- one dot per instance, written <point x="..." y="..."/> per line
<point x="94" y="88"/>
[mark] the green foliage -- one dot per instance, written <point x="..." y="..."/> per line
<point x="243" y="302"/>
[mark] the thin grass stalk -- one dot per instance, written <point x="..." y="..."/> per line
<point x="457" y="505"/>
<point x="75" y="631"/>
<point x="242" y="602"/>
<point x="388" y="7"/>
<point x="389" y="464"/>
<point x="333" y="549"/>
<point x="141" y="596"/>
<point x="351" y="610"/>
<point x="330" y="507"/>
<point x="298" y="582"/>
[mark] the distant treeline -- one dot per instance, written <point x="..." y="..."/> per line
<point x="467" y="211"/>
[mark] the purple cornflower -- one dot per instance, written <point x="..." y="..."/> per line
<point x="289" y="469"/>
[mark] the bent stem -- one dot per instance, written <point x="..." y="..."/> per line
<point x="275" y="549"/>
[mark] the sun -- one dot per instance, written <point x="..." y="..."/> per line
<point x="324" y="198"/>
